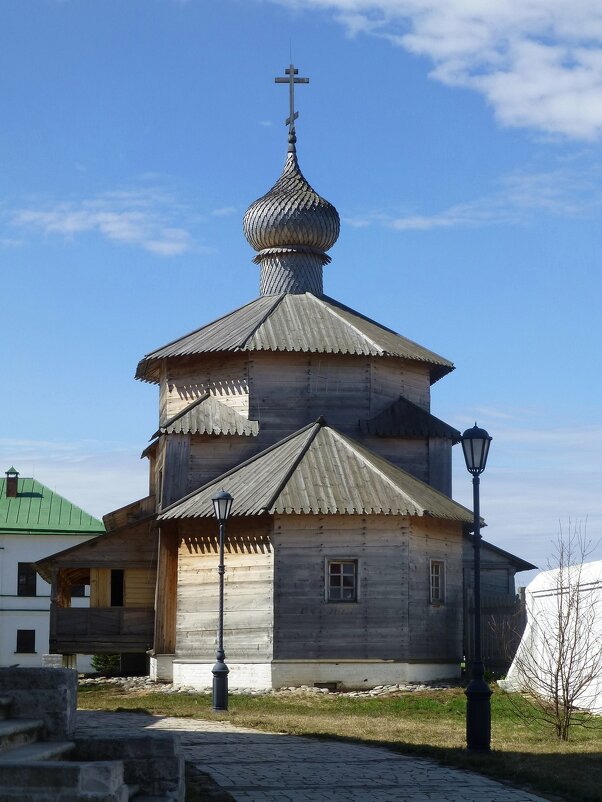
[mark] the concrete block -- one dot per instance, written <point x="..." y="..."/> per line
<point x="100" y="776"/>
<point x="47" y="693"/>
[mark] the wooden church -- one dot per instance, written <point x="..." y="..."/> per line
<point x="344" y="549"/>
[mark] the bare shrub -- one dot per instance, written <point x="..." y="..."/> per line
<point x="558" y="664"/>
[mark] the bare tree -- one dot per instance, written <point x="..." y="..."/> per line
<point x="558" y="664"/>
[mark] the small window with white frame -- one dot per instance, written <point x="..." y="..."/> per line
<point x="341" y="581"/>
<point x="437" y="582"/>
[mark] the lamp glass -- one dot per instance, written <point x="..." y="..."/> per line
<point x="222" y="504"/>
<point x="475" y="445"/>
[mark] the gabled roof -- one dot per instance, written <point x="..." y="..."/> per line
<point x="318" y="470"/>
<point x="207" y="415"/>
<point x="38" y="510"/>
<point x="289" y="322"/>
<point x="403" y="418"/>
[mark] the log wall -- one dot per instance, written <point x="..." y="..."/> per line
<point x="393" y="618"/>
<point x="248" y="591"/>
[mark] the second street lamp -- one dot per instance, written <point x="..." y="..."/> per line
<point x="475" y="444"/>
<point x="222" y="504"/>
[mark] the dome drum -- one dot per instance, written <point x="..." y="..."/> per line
<point x="295" y="272"/>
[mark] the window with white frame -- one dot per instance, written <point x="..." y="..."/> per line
<point x="341" y="581"/>
<point x="437" y="581"/>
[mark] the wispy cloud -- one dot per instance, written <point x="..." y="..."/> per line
<point x="146" y="218"/>
<point x="224" y="211"/>
<point x="99" y="477"/>
<point x="533" y="482"/>
<point x="538" y="63"/>
<point x="520" y="197"/>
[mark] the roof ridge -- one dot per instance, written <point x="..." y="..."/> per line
<point x="351" y="447"/>
<point x="277" y="302"/>
<point x="317" y="426"/>
<point x="237" y="467"/>
<point x="358" y="447"/>
<point x="350" y="325"/>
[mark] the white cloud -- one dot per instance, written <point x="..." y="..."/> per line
<point x="538" y="63"/>
<point x="569" y="191"/>
<point x="148" y="219"/>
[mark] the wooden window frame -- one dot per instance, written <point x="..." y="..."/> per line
<point x="342" y="561"/>
<point x="24" y="635"/>
<point x="437" y="582"/>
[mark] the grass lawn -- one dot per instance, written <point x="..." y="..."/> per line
<point x="427" y="723"/>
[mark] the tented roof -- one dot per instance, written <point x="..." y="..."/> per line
<point x="207" y="415"/>
<point x="406" y="419"/>
<point x="289" y="322"/>
<point x="318" y="470"/>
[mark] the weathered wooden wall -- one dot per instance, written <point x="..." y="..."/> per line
<point x="393" y="617"/>
<point x="284" y="392"/>
<point x="435" y="630"/>
<point x="225" y="377"/>
<point x="410" y="455"/>
<point x="248" y="590"/>
<point x="305" y="624"/>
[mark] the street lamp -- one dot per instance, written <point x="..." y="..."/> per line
<point x="222" y="504"/>
<point x="475" y="444"/>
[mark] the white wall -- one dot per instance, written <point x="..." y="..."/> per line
<point x="29" y="612"/>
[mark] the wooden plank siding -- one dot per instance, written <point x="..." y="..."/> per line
<point x="306" y="625"/>
<point x="139" y="587"/>
<point x="190" y="378"/>
<point x="435" y="629"/>
<point x="176" y="451"/>
<point x="100" y="587"/>
<point x="248" y="590"/>
<point x="393" y="618"/>
<point x="166" y="591"/>
<point x="211" y="456"/>
<point x="97" y="630"/>
<point x="392" y="377"/>
<point x="410" y="455"/>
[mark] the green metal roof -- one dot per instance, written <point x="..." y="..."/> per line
<point x="38" y="510"/>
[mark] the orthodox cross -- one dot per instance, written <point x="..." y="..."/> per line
<point x="291" y="80"/>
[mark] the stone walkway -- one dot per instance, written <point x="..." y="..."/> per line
<point x="266" y="767"/>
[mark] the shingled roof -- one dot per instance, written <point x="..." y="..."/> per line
<point x="403" y="418"/>
<point x="318" y="470"/>
<point x="289" y="322"/>
<point x="207" y="415"/>
<point x="38" y="510"/>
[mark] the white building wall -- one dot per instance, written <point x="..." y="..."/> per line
<point x="30" y="612"/>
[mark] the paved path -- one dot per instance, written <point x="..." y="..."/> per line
<point x="268" y="767"/>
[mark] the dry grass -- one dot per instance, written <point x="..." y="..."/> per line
<point x="427" y="723"/>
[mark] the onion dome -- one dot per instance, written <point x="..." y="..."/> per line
<point x="291" y="227"/>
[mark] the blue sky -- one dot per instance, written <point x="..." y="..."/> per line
<point x="461" y="146"/>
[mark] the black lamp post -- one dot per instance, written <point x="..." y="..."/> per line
<point x="222" y="504"/>
<point x="475" y="444"/>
